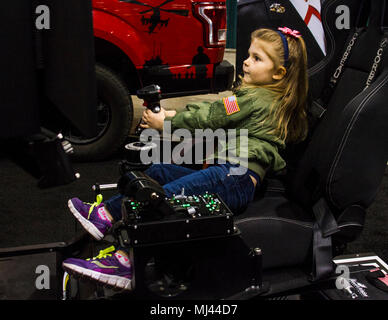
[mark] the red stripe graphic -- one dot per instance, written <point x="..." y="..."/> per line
<point x="310" y="12"/>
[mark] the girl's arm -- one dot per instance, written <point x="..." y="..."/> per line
<point x="211" y="115"/>
<point x="195" y="115"/>
<point x="170" y="113"/>
<point x="201" y="115"/>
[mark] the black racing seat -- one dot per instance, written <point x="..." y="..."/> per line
<point x="321" y="205"/>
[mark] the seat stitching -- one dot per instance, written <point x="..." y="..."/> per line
<point x="305" y="225"/>
<point x="347" y="133"/>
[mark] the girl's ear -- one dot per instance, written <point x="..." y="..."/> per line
<point x="280" y="73"/>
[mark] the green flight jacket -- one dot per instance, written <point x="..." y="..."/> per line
<point x="259" y="151"/>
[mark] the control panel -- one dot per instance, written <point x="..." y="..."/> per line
<point x="183" y="218"/>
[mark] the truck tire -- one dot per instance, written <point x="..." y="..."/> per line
<point x="115" y="115"/>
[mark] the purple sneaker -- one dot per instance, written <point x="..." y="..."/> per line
<point x="112" y="269"/>
<point x="92" y="216"/>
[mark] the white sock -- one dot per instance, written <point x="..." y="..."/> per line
<point x="123" y="260"/>
<point x="102" y="214"/>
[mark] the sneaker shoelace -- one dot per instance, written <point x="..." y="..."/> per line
<point x="103" y="253"/>
<point x="95" y="204"/>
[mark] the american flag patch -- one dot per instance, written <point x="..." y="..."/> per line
<point x="231" y="105"/>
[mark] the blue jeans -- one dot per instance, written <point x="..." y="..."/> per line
<point x="235" y="190"/>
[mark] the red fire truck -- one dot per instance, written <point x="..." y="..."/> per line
<point x="177" y="44"/>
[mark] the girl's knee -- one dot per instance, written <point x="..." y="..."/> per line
<point x="158" y="172"/>
<point x="154" y="170"/>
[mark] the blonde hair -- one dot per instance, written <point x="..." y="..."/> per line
<point x="289" y="118"/>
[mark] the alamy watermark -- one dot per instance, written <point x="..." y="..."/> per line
<point x="42" y="20"/>
<point x="352" y="287"/>
<point x="42" y="281"/>
<point x="231" y="144"/>
<point x="343" y="17"/>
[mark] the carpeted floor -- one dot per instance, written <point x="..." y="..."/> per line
<point x="30" y="215"/>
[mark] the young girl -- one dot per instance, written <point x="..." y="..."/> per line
<point x="270" y="103"/>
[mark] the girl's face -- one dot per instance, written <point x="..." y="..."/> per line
<point x="259" y="69"/>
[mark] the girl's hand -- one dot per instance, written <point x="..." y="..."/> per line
<point x="153" y="120"/>
<point x="170" y="113"/>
